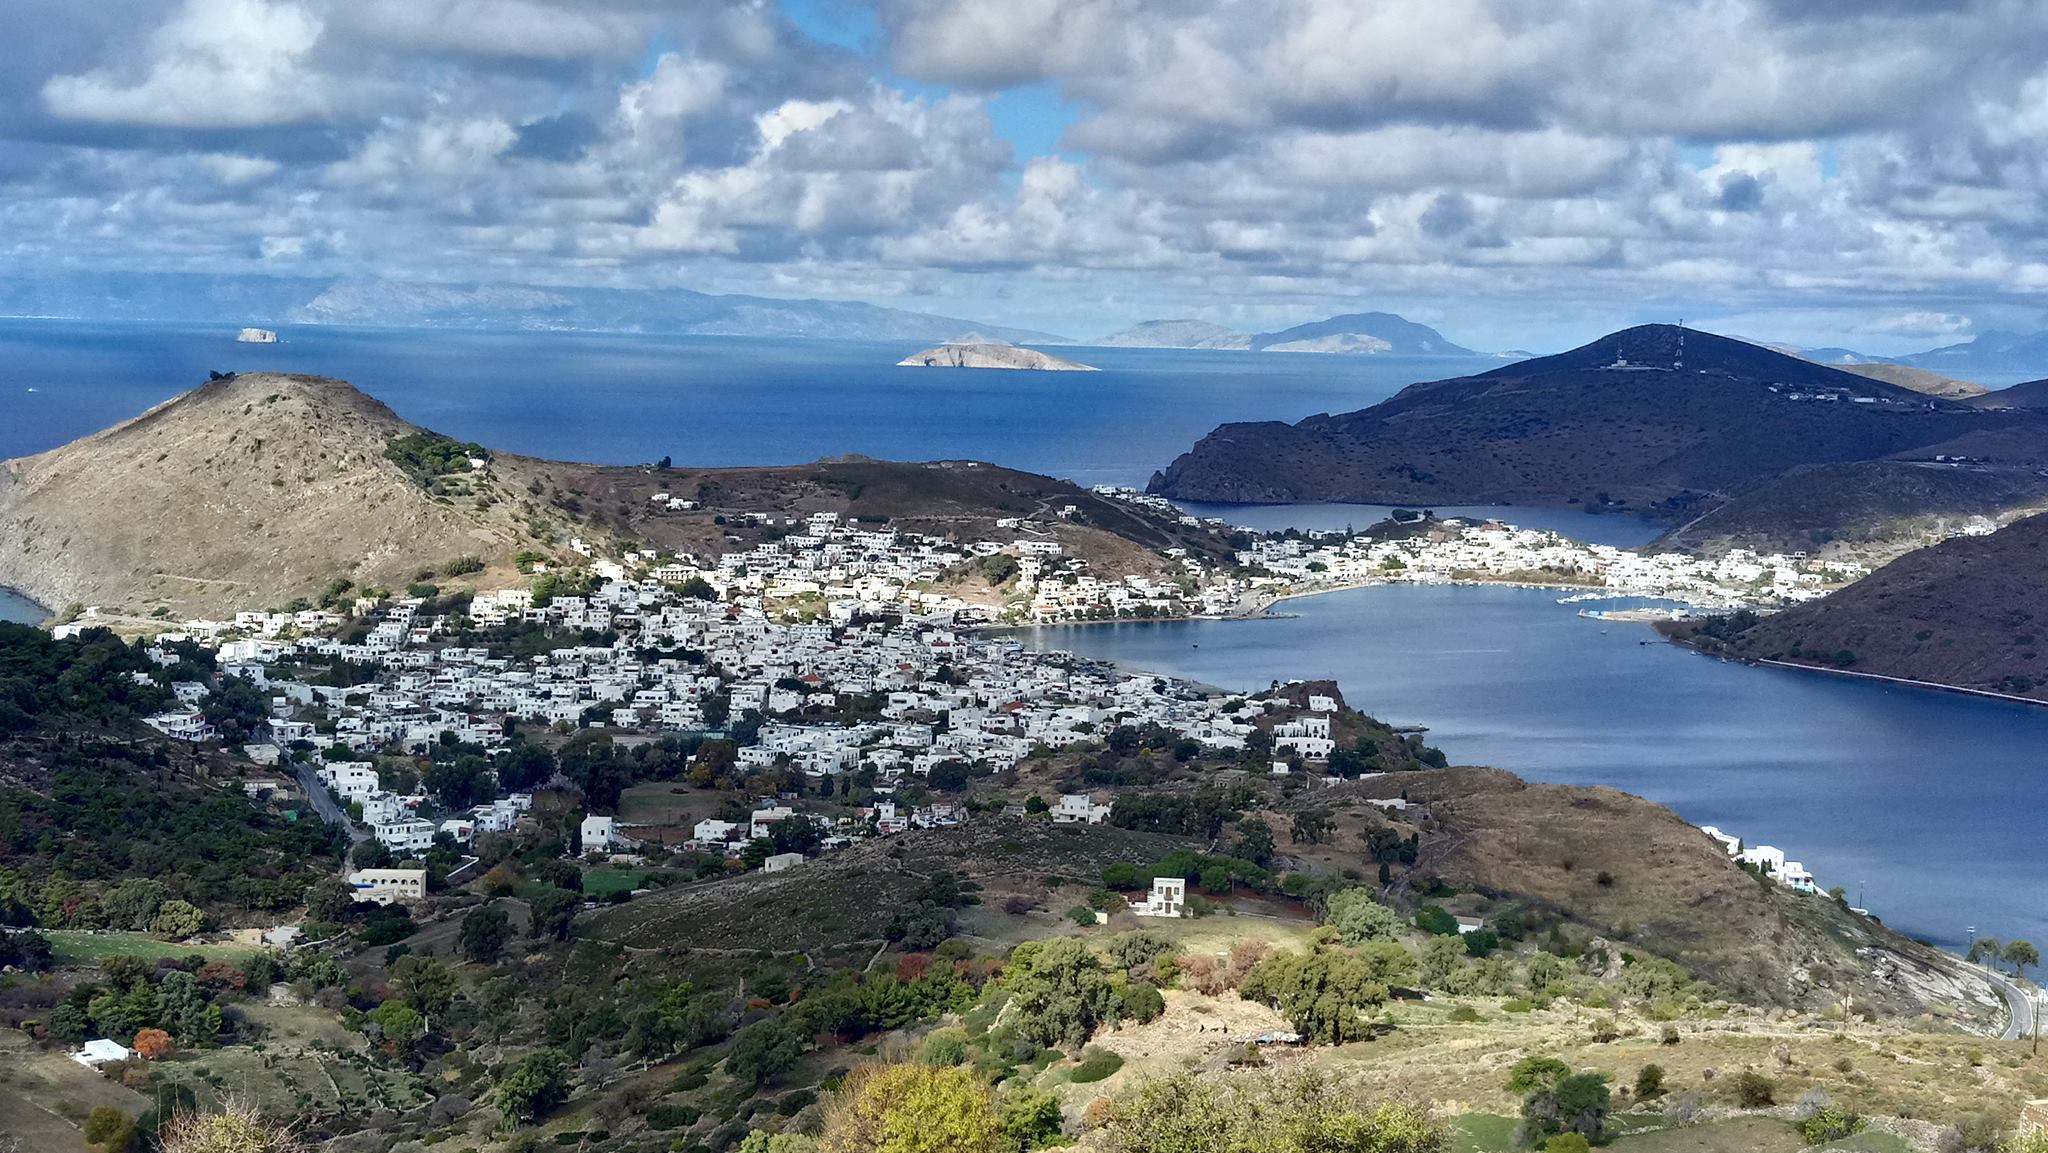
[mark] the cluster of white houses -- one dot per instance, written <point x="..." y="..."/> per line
<point x="842" y="691"/>
<point x="1767" y="860"/>
<point x="1456" y="550"/>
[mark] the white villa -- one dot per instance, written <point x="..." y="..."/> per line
<point x="1169" y="898"/>
<point x="383" y="886"/>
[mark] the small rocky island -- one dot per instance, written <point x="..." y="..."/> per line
<point x="256" y="336"/>
<point x="983" y="353"/>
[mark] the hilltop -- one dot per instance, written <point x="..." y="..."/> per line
<point x="252" y="491"/>
<point x="1971" y="612"/>
<point x="1658" y="420"/>
<point x="245" y="492"/>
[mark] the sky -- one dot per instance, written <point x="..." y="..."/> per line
<point x="1519" y="173"/>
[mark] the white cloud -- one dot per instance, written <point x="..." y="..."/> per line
<point x="216" y="64"/>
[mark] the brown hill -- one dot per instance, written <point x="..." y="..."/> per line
<point x="252" y="491"/>
<point x="1920" y="380"/>
<point x="1971" y="612"/>
<point x="1638" y="874"/>
<point x="243" y="493"/>
<point x="1666" y="421"/>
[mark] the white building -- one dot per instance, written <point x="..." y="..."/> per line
<point x="1079" y="809"/>
<point x="404" y="836"/>
<point x="781" y="861"/>
<point x="100" y="1051"/>
<point x="1169" y="898"/>
<point x="383" y="886"/>
<point x="601" y="834"/>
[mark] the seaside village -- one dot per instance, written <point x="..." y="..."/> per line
<point x="772" y="647"/>
<point x="1459" y="550"/>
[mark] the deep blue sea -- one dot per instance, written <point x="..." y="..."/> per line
<point x="708" y="400"/>
<point x="1927" y="804"/>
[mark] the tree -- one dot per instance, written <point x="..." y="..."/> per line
<point x="1649" y="1082"/>
<point x="1577" y="1103"/>
<point x="766" y="1050"/>
<point x="533" y="1086"/>
<point x="1060" y="991"/>
<point x="484" y="933"/>
<point x="132" y="904"/>
<point x="1030" y="1119"/>
<point x="1254" y="842"/>
<point x="398" y="1023"/>
<point x="177" y="920"/>
<point x="1319" y="993"/>
<point x="426" y="983"/>
<point x="554" y="910"/>
<point x="330" y="899"/>
<point x="1441" y="957"/>
<point x="1532" y="1073"/>
<point x="950" y="776"/>
<point x="911" y="1109"/>
<point x="152" y="1044"/>
<point x="183" y="1007"/>
<point x="1357" y="917"/>
<point x="236" y="1128"/>
<point x="109" y="1128"/>
<point x="2020" y="955"/>
<point x="1985" y="950"/>
<point x="1312" y="826"/>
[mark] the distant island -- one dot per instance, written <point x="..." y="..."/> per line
<point x="991" y="354"/>
<point x="1177" y="334"/>
<point x="256" y="336"/>
<point x="1357" y="333"/>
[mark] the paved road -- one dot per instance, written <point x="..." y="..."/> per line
<point x="2019" y="1004"/>
<point x="323" y="804"/>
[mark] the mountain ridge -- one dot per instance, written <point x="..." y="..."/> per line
<point x="1669" y="422"/>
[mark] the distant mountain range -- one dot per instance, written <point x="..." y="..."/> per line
<point x="1991" y="352"/>
<point x="1994" y="353"/>
<point x="271" y="301"/>
<point x="1368" y="333"/>
<point x="1721" y="437"/>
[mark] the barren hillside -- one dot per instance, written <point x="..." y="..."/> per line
<point x="243" y="493"/>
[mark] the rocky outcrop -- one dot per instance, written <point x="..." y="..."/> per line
<point x="991" y="354"/>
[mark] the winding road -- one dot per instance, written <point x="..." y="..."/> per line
<point x="2019" y="1004"/>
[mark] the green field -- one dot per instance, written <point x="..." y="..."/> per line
<point x="81" y="947"/>
<point x="601" y="883"/>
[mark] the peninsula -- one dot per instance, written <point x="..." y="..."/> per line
<point x="1725" y="441"/>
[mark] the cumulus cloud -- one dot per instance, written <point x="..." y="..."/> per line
<point x="1541" y="165"/>
<point x="216" y="64"/>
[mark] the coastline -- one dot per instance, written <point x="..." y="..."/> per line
<point x="10" y="596"/>
<point x="1906" y="681"/>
